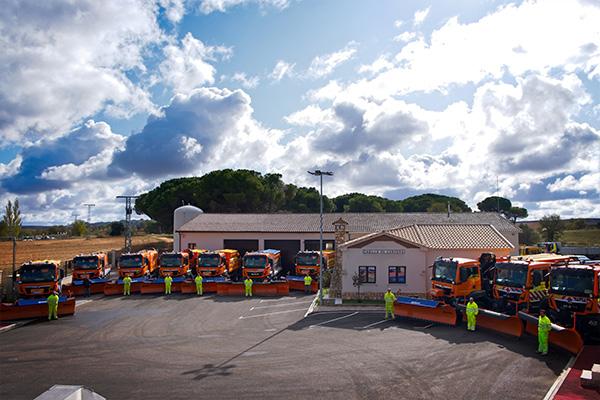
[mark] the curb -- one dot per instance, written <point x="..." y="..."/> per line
<point x="15" y="325"/>
<point x="311" y="309"/>
<point x="559" y="381"/>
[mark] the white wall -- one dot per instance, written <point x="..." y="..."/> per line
<point x="413" y="259"/>
<point x="215" y="240"/>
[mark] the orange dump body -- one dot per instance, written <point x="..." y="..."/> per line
<point x="218" y="263"/>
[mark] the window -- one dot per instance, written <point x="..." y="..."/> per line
<point x="367" y="274"/>
<point x="396" y="274"/>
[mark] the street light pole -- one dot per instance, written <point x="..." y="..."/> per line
<point x="320" y="174"/>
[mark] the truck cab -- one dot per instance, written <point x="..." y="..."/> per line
<point x="263" y="264"/>
<point x="89" y="266"/>
<point x="39" y="278"/>
<point x="519" y="284"/>
<point x="224" y="262"/>
<point x="574" y="298"/>
<point x="137" y="265"/>
<point x="174" y="264"/>
<point x="307" y="262"/>
<point x="455" y="278"/>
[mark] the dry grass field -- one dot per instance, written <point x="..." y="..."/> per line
<point x="66" y="249"/>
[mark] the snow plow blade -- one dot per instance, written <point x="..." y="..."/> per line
<point x="508" y="324"/>
<point x="279" y="288"/>
<point x="31" y="308"/>
<point x="565" y="338"/>
<point x="157" y="286"/>
<point x="296" y="282"/>
<point x="427" y="310"/>
<point x="76" y="288"/>
<point x="116" y="288"/>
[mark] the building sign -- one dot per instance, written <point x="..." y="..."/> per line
<point x="384" y="251"/>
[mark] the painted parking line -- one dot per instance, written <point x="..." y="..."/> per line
<point x="274" y="300"/>
<point x="281" y="305"/>
<point x="374" y="324"/>
<point x="82" y="302"/>
<point x="271" y="313"/>
<point x="333" y="320"/>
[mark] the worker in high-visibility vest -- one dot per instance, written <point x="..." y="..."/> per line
<point x="248" y="287"/>
<point x="168" y="283"/>
<point x="389" y="298"/>
<point x="127" y="286"/>
<point x="52" y="306"/>
<point x="198" y="279"/>
<point x="472" y="311"/>
<point x="307" y="284"/>
<point x="541" y="286"/>
<point x="544" y="328"/>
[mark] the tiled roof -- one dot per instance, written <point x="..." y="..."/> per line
<point x="357" y="222"/>
<point x="455" y="236"/>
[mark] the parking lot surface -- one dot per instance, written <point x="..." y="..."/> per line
<point x="155" y="347"/>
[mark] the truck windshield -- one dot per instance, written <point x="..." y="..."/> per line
<point x="572" y="282"/>
<point x="85" y="262"/>
<point x="307" y="259"/>
<point x="130" y="261"/>
<point x="38" y="273"/>
<point x="209" y="260"/>
<point x="445" y="271"/>
<point x="170" y="260"/>
<point x="255" y="261"/>
<point x="510" y="274"/>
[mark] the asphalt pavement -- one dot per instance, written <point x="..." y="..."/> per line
<point x="155" y="347"/>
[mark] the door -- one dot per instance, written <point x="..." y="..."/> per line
<point x="241" y="245"/>
<point x="288" y="248"/>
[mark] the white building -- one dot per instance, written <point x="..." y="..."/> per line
<point x="400" y="258"/>
<point x="291" y="233"/>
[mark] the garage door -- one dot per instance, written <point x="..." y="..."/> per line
<point x="241" y="245"/>
<point x="310" y="244"/>
<point x="288" y="248"/>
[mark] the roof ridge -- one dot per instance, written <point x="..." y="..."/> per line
<point x="418" y="233"/>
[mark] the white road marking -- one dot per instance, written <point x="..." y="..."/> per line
<point x="81" y="302"/>
<point x="374" y="323"/>
<point x="282" y="299"/>
<point x="281" y="305"/>
<point x="270" y="330"/>
<point x="272" y="313"/>
<point x="333" y="320"/>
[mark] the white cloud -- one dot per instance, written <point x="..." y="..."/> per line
<point x="209" y="6"/>
<point x="312" y="115"/>
<point x="398" y="23"/>
<point x="174" y="9"/>
<point x="187" y="67"/>
<point x="281" y="70"/>
<point x="382" y="63"/>
<point x="458" y="54"/>
<point x="324" y="65"/>
<point x="248" y="82"/>
<point x="405" y="37"/>
<point x="420" y="16"/>
<point x="587" y="182"/>
<point x="73" y="59"/>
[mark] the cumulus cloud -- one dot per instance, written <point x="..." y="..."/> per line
<point x="382" y="63"/>
<point x="325" y="64"/>
<point x="62" y="61"/>
<point x="281" y="70"/>
<point x="405" y="37"/>
<point x="51" y="164"/>
<point x="174" y="9"/>
<point x="186" y="66"/>
<point x="204" y="127"/>
<point x="209" y="6"/>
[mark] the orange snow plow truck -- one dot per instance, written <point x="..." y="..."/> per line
<point x="137" y="265"/>
<point x="265" y="264"/>
<point x="224" y="262"/>
<point x="35" y="281"/>
<point x="90" y="266"/>
<point x="307" y="262"/>
<point x="174" y="264"/>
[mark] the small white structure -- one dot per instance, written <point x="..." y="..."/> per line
<point x="69" y="392"/>
<point x="182" y="216"/>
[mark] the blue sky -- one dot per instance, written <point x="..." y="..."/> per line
<point x="397" y="98"/>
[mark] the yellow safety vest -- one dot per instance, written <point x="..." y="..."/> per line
<point x="544" y="324"/>
<point x="168" y="280"/>
<point x="389" y="297"/>
<point x="472" y="308"/>
<point x="53" y="299"/>
<point x="248" y="283"/>
<point x="307" y="280"/>
<point x="198" y="280"/>
<point x="127" y="280"/>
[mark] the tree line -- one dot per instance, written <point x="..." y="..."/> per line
<point x="246" y="191"/>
